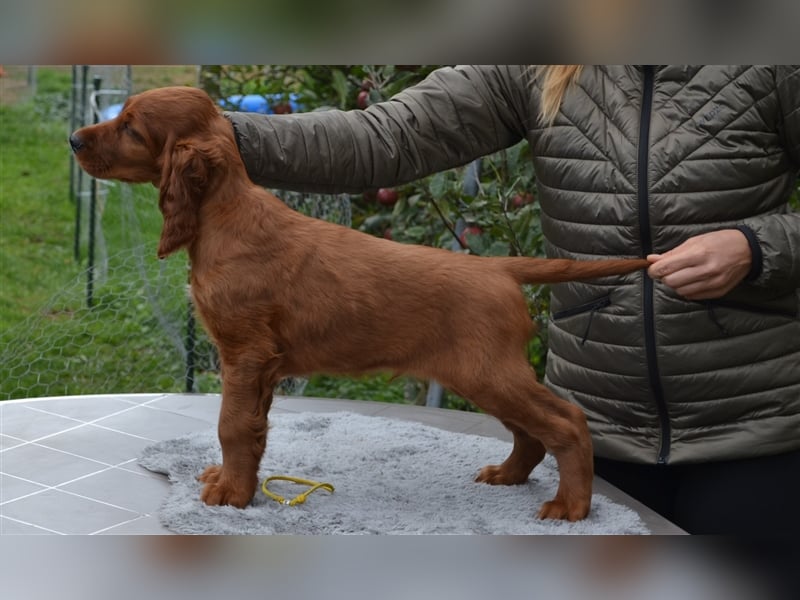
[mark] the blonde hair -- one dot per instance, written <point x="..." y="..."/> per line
<point x="555" y="81"/>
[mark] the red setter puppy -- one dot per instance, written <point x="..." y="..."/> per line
<point x="283" y="294"/>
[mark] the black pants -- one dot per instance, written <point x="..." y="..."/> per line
<point x="752" y="497"/>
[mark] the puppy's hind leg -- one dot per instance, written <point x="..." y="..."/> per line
<point x="570" y="442"/>
<point x="525" y="455"/>
<point x="540" y="420"/>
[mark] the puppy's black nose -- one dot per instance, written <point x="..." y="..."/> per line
<point x="75" y="142"/>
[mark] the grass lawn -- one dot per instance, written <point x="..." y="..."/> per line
<point x="36" y="224"/>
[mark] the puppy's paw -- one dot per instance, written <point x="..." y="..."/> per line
<point x="501" y="475"/>
<point x="560" y="510"/>
<point x="220" y="490"/>
<point x="211" y="474"/>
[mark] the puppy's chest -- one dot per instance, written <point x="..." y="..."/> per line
<point x="217" y="296"/>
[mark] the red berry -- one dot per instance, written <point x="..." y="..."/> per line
<point x="387" y="196"/>
<point x="469" y="231"/>
<point x="521" y="199"/>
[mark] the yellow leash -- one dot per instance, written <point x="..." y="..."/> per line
<point x="299" y="499"/>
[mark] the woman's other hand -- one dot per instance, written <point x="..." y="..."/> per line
<point x="705" y="266"/>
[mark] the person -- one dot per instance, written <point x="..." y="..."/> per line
<point x="689" y="374"/>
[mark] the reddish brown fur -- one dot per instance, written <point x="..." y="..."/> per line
<point x="283" y="294"/>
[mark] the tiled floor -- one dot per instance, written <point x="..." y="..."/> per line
<point x="69" y="465"/>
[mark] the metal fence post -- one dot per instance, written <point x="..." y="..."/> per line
<point x="191" y="341"/>
<point x="79" y="200"/>
<point x="92" y="224"/>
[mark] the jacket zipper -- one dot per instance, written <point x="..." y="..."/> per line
<point x="647" y="248"/>
<point x="590" y="307"/>
<point x="583" y="308"/>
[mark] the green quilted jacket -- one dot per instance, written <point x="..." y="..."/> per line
<point x="638" y="160"/>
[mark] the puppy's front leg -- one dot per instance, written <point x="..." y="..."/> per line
<point x="246" y="398"/>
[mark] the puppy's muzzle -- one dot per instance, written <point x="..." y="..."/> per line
<point x="76" y="143"/>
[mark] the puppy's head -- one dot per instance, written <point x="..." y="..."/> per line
<point x="134" y="146"/>
<point x="174" y="138"/>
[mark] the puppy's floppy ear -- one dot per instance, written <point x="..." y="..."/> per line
<point x="185" y="176"/>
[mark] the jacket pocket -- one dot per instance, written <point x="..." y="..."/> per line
<point x="589" y="307"/>
<point x="763" y="311"/>
<point x="752" y="308"/>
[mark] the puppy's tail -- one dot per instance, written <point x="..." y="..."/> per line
<point x="557" y="270"/>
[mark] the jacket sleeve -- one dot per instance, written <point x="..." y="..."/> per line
<point x="787" y="83"/>
<point x="778" y="235"/>
<point x="452" y="117"/>
<point x="778" y="238"/>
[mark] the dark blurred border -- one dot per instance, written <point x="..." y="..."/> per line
<point x="403" y="567"/>
<point x="404" y="32"/>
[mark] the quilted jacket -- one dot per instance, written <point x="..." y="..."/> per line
<point x="638" y="160"/>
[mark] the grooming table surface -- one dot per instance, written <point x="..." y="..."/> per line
<point x="68" y="465"/>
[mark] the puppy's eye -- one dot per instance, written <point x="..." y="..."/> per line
<point x="126" y="127"/>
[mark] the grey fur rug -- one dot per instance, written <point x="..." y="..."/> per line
<point x="390" y="477"/>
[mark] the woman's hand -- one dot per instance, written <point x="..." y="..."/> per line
<point x="705" y="266"/>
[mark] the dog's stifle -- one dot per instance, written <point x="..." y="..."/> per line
<point x="283" y="294"/>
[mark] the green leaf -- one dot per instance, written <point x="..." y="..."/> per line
<point x="375" y="96"/>
<point x="342" y="87"/>
<point x="497" y="248"/>
<point x="415" y="232"/>
<point x="438" y="185"/>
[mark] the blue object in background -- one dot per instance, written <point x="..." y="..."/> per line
<point x="248" y="103"/>
<point x="111" y="111"/>
<point x="257" y="103"/>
